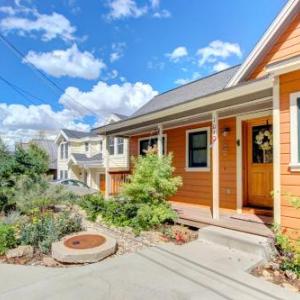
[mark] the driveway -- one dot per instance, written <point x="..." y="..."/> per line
<point x="198" y="270"/>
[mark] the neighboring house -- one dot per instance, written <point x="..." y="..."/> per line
<point x="50" y="148"/>
<point x="83" y="156"/>
<point x="234" y="135"/>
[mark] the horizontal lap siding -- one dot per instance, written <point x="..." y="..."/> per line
<point x="287" y="46"/>
<point x="227" y="153"/>
<point x="197" y="186"/>
<point x="290" y="181"/>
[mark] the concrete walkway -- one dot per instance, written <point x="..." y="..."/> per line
<point x="198" y="270"/>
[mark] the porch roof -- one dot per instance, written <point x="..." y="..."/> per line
<point x="85" y="161"/>
<point x="199" y="109"/>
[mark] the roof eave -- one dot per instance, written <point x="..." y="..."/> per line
<point x="242" y="89"/>
<point x="284" y="16"/>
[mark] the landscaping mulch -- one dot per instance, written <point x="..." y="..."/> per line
<point x="271" y="272"/>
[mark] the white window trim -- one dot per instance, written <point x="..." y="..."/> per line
<point x="295" y="144"/>
<point x="152" y="137"/>
<point x="197" y="169"/>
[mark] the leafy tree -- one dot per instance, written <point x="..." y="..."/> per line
<point x="152" y="179"/>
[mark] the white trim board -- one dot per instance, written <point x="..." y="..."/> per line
<point x="198" y="169"/>
<point x="285" y="15"/>
<point x="295" y="144"/>
<point x="239" y="153"/>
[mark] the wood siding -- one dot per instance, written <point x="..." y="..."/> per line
<point x="286" y="46"/>
<point x="290" y="181"/>
<point x="197" y="186"/>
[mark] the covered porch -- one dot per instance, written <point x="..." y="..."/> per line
<point x="221" y="192"/>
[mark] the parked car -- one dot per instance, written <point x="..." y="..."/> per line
<point x="76" y="186"/>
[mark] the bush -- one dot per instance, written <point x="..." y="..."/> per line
<point x="39" y="195"/>
<point x="152" y="179"/>
<point x="43" y="230"/>
<point x="7" y="238"/>
<point x="93" y="205"/>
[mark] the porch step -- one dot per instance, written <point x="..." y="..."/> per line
<point x="248" y="243"/>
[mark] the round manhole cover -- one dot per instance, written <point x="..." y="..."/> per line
<point x="85" y="241"/>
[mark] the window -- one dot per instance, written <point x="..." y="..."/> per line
<point x="295" y="131"/>
<point x="61" y="174"/>
<point x="61" y="151"/>
<point x="197" y="149"/>
<point x="66" y="150"/>
<point x="120" y="145"/>
<point x="111" y="146"/>
<point x="86" y="146"/>
<point x="66" y="174"/>
<point x="145" y="143"/>
<point x="101" y="146"/>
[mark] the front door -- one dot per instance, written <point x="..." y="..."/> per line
<point x="259" y="156"/>
<point x="102" y="183"/>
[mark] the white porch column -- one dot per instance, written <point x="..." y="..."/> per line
<point x="106" y="165"/>
<point x="160" y="140"/>
<point x="215" y="167"/>
<point x="276" y="150"/>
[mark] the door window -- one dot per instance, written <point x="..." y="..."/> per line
<point x="262" y="144"/>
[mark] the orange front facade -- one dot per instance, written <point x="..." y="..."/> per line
<point x="197" y="186"/>
<point x="290" y="181"/>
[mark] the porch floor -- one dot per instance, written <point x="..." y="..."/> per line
<point x="199" y="216"/>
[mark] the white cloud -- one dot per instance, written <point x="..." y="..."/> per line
<point x="70" y="62"/>
<point x="220" y="66"/>
<point x="120" y="9"/>
<point x="155" y="3"/>
<point x="21" y="123"/>
<point x="27" y="21"/>
<point x="181" y="81"/>
<point x="177" y="54"/>
<point x="162" y="14"/>
<point x="218" y="49"/>
<point x="117" y="51"/>
<point x="104" y="99"/>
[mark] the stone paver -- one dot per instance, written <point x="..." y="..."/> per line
<point x="198" y="270"/>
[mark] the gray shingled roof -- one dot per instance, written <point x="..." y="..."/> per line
<point x="196" y="89"/>
<point x="74" y="134"/>
<point x="121" y="116"/>
<point x="48" y="146"/>
<point x="82" y="158"/>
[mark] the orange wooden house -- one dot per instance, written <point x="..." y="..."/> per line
<point x="234" y="135"/>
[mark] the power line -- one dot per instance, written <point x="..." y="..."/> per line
<point x="54" y="86"/>
<point x="23" y="93"/>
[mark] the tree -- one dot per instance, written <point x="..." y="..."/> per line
<point x="152" y="179"/>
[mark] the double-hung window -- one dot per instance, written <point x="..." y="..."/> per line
<point x="86" y="146"/>
<point x="120" y="145"/>
<point x="111" y="146"/>
<point x="295" y="131"/>
<point x="197" y="149"/>
<point x="66" y="150"/>
<point x="146" y="143"/>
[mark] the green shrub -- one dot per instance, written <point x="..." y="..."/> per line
<point x="93" y="205"/>
<point x="7" y="238"/>
<point x="45" y="229"/>
<point x="31" y="194"/>
<point x="152" y="179"/>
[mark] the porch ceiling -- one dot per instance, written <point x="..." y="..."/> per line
<point x="238" y="106"/>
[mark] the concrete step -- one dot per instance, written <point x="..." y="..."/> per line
<point x="248" y="243"/>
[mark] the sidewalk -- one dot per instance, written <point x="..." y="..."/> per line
<point x="198" y="270"/>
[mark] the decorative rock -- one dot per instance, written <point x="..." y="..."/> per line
<point x="65" y="254"/>
<point x="21" y="251"/>
<point x="291" y="275"/>
<point x="50" y="262"/>
<point x="290" y="287"/>
<point x="267" y="275"/>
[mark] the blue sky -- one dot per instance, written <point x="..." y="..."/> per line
<point x="114" y="55"/>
